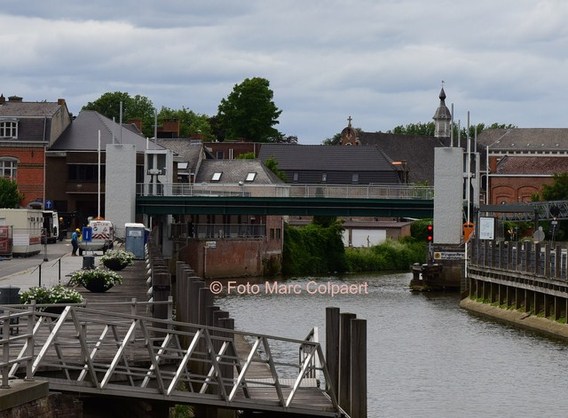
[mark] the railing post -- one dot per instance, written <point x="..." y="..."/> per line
<point x="547" y="260"/>
<point x="6" y="352"/>
<point x="558" y="262"/>
<point x="537" y="257"/>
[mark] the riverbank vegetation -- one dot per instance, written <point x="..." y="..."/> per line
<point x="314" y="249"/>
<point x="391" y="255"/>
<point x="317" y="249"/>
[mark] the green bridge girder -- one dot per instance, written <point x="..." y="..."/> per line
<point x="294" y="206"/>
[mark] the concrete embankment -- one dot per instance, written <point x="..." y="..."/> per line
<point x="520" y="319"/>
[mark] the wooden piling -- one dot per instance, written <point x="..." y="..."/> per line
<point x="345" y="359"/>
<point x="358" y="376"/>
<point x="332" y="347"/>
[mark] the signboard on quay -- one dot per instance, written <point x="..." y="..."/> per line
<point x="486" y="228"/>
<point x="448" y="255"/>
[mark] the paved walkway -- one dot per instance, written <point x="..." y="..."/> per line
<point x="33" y="271"/>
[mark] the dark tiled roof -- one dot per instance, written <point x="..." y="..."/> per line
<point x="532" y="165"/>
<point x="416" y="150"/>
<point x="325" y="157"/>
<point x="82" y="134"/>
<point x="29" y="109"/>
<point x="235" y="171"/>
<point x="185" y="150"/>
<point x="525" y="139"/>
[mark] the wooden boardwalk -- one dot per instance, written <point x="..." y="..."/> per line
<point x="134" y="355"/>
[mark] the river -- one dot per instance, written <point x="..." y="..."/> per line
<point x="426" y="356"/>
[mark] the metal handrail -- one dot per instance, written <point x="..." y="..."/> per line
<point x="367" y="191"/>
<point x="95" y="353"/>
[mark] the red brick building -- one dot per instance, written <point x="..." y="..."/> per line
<point x="521" y="160"/>
<point x="27" y="129"/>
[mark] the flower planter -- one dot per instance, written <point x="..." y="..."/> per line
<point x="97" y="280"/>
<point x="114" y="264"/>
<point x="56" y="310"/>
<point x="97" y="286"/>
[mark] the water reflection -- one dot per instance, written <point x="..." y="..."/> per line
<point x="426" y="356"/>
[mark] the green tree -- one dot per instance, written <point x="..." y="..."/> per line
<point x="272" y="164"/>
<point x="558" y="190"/>
<point x="191" y="123"/>
<point x="10" y="196"/>
<point x="249" y="112"/>
<point x="137" y="107"/>
<point x="246" y="156"/>
<point x="427" y="129"/>
<point x="335" y="140"/>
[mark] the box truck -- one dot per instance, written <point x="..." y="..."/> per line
<point x="26" y="229"/>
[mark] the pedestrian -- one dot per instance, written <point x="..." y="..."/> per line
<point x="75" y="241"/>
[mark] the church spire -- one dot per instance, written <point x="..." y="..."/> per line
<point x="442" y="117"/>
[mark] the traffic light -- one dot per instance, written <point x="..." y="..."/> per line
<point x="430" y="233"/>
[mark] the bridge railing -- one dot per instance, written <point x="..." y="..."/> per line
<point x="538" y="259"/>
<point x="370" y="191"/>
<point x="122" y="354"/>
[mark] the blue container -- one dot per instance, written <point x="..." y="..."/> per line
<point x="135" y="239"/>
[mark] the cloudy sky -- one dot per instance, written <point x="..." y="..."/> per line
<point x="380" y="61"/>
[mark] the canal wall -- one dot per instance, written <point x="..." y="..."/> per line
<point x="517" y="318"/>
<point x="522" y="283"/>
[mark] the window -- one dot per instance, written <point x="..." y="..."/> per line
<point x="220" y="155"/>
<point x="216" y="176"/>
<point x="231" y="154"/>
<point x="250" y="177"/>
<point x="8" y="168"/>
<point x="324" y="177"/>
<point x="295" y="177"/>
<point x="355" y="178"/>
<point x="86" y="173"/>
<point x="8" y="129"/>
<point x="275" y="233"/>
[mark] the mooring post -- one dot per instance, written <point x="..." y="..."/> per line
<point x="332" y="347"/>
<point x="205" y="300"/>
<point x="358" y="368"/>
<point x="345" y="359"/>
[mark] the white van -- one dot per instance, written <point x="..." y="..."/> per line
<point x="102" y="237"/>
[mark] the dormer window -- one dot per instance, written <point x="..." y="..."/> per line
<point x="250" y="177"/>
<point x="216" y="176"/>
<point x="8" y="128"/>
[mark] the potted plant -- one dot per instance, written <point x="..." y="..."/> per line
<point x="96" y="280"/>
<point x="47" y="295"/>
<point x="117" y="259"/>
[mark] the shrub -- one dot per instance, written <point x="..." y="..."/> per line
<point x="84" y="277"/>
<point x="55" y="294"/>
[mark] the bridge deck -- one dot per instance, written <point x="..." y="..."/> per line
<point x="113" y="347"/>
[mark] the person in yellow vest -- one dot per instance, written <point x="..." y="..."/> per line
<point x="75" y="240"/>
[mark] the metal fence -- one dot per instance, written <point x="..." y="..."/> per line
<point x="539" y="259"/>
<point x="370" y="191"/>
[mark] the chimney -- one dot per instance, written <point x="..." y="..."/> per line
<point x="15" y="99"/>
<point x="136" y="122"/>
<point x="61" y="102"/>
<point x="2" y="99"/>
